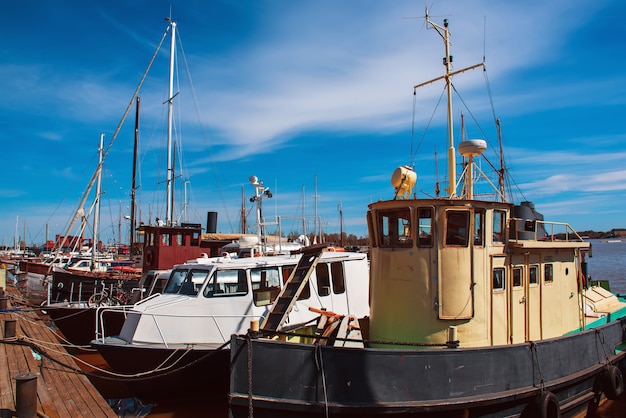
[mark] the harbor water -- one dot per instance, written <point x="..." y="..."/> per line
<point x="608" y="262"/>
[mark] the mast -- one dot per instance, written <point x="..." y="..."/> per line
<point x="169" y="213"/>
<point x="340" y="225"/>
<point x="501" y="174"/>
<point x="243" y="211"/>
<point x="96" y="216"/>
<point x="447" y="62"/>
<point x="133" y="186"/>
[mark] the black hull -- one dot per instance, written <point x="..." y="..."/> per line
<point x="492" y="381"/>
<point x="78" y="325"/>
<point x="186" y="374"/>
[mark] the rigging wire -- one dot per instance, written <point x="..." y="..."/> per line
<point x="204" y="137"/>
<point x="432" y="116"/>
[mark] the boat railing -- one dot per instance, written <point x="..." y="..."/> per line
<point x="101" y="310"/>
<point x="538" y="230"/>
<point x="144" y="300"/>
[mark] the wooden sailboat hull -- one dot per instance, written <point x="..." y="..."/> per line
<point x="281" y="377"/>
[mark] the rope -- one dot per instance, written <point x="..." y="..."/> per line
<point x="600" y="336"/>
<point x="533" y="347"/>
<point x="249" y="354"/>
<point x="320" y="368"/>
<point x="108" y="374"/>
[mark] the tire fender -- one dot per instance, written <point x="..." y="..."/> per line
<point x="544" y="405"/>
<point x="612" y="382"/>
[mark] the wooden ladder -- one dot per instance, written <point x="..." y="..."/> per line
<point x="293" y="287"/>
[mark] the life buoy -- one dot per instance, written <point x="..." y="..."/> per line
<point x="545" y="405"/>
<point x="149" y="258"/>
<point x="612" y="382"/>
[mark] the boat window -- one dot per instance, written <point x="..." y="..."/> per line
<point x="179" y="240"/>
<point x="499" y="278"/>
<point x="339" y="280"/>
<point x="165" y="239"/>
<point x="457" y="227"/>
<point x="323" y="279"/>
<point x="265" y="285"/>
<point x="548" y="273"/>
<point x="370" y="228"/>
<point x="226" y="283"/>
<point x="195" y="239"/>
<point x="479" y="235"/>
<point x="395" y="229"/>
<point x="499" y="219"/>
<point x="306" y="292"/>
<point x="517" y="277"/>
<point x="186" y="282"/>
<point x="533" y="275"/>
<point x="425" y="225"/>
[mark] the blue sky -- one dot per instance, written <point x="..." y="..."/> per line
<point x="315" y="98"/>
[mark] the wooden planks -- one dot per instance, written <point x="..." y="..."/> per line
<point x="62" y="390"/>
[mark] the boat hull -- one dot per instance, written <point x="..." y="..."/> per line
<point x="492" y="381"/>
<point x="185" y="373"/>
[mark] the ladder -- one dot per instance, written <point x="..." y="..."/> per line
<point x="293" y="287"/>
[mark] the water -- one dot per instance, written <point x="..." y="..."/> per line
<point x="609" y="263"/>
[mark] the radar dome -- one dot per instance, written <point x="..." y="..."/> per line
<point x="472" y="147"/>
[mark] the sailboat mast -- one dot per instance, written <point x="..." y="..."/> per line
<point x="96" y="216"/>
<point x="133" y="187"/>
<point x="243" y="211"/>
<point x="169" y="213"/>
<point x="501" y="174"/>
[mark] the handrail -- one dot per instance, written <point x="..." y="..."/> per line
<point x="550" y="230"/>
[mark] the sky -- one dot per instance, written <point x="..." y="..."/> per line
<point x="315" y="98"/>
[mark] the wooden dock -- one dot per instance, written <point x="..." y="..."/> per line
<point x="61" y="389"/>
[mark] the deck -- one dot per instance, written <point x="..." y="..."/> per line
<point x="62" y="390"/>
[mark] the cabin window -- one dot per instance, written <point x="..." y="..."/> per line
<point x="499" y="219"/>
<point x="479" y="228"/>
<point x="186" y="282"/>
<point x="533" y="275"/>
<point x="499" y="278"/>
<point x="265" y="285"/>
<point x="195" y="240"/>
<point x="395" y="229"/>
<point x="287" y="270"/>
<point x="226" y="283"/>
<point x="339" y="280"/>
<point x="306" y="292"/>
<point x="457" y="228"/>
<point x="151" y="239"/>
<point x="425" y="227"/>
<point x="165" y="239"/>
<point x="517" y="277"/>
<point x="179" y="239"/>
<point x="548" y="273"/>
<point x="323" y="279"/>
<point x="370" y="225"/>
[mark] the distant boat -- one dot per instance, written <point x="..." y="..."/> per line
<point x="477" y="310"/>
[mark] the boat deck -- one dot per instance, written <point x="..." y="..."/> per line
<point x="61" y="391"/>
